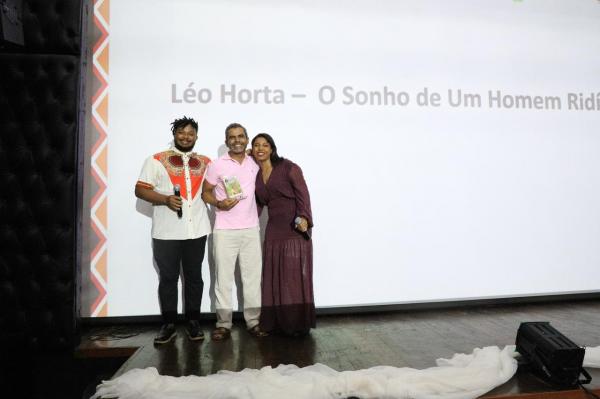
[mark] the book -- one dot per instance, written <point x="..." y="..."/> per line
<point x="233" y="188"/>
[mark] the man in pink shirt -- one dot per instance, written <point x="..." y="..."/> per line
<point x="229" y="187"/>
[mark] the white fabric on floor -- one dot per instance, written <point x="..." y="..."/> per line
<point x="461" y="377"/>
<point x="592" y="357"/>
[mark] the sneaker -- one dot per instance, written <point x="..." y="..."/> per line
<point x="193" y="331"/>
<point x="167" y="333"/>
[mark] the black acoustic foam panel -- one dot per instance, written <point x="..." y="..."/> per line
<point x="38" y="130"/>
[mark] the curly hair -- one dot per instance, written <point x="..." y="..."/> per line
<point x="183" y="122"/>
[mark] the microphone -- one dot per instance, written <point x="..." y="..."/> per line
<point x="305" y="234"/>
<point x="177" y="191"/>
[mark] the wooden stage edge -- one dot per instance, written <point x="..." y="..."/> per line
<point x="353" y="342"/>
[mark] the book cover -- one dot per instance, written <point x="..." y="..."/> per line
<point x="233" y="188"/>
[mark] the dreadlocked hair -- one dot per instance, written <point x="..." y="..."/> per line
<point x="183" y="122"/>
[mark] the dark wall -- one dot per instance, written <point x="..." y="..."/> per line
<point x="39" y="97"/>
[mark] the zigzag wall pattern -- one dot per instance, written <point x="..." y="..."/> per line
<point x="99" y="202"/>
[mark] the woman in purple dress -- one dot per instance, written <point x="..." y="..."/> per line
<point x="288" y="303"/>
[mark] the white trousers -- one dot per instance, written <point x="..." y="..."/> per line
<point x="229" y="246"/>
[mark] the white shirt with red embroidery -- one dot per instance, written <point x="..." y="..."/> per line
<point x="160" y="173"/>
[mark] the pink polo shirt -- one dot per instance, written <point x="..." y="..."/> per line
<point x="244" y="215"/>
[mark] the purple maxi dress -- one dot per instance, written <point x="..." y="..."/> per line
<point x="288" y="303"/>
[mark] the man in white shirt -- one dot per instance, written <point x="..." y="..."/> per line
<point x="171" y="181"/>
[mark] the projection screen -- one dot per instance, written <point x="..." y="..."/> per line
<point x="450" y="147"/>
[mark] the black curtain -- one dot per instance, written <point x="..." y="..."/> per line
<point x="39" y="112"/>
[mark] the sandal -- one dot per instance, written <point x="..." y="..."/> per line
<point x="257" y="332"/>
<point x="220" y="334"/>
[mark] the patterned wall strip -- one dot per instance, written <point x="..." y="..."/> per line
<point x="98" y="258"/>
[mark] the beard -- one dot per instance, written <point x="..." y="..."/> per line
<point x="184" y="149"/>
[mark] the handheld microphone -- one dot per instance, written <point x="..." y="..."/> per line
<point x="177" y="192"/>
<point x="305" y="234"/>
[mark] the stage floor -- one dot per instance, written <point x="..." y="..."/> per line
<point x="352" y="342"/>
